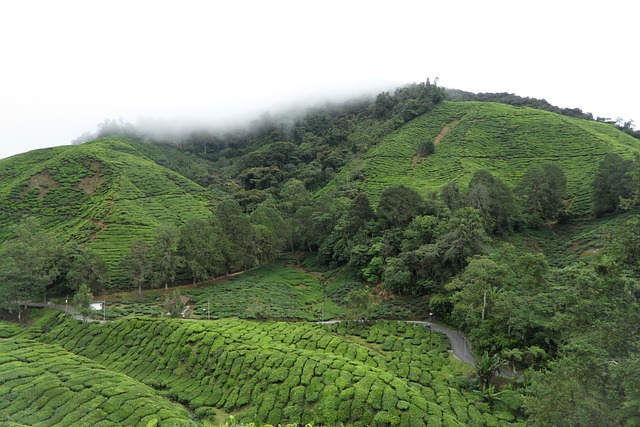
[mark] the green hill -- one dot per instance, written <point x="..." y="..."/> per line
<point x="501" y="139"/>
<point x="106" y="193"/>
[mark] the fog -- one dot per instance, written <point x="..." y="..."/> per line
<point x="69" y="65"/>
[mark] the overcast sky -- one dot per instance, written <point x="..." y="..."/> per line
<point x="68" y="65"/>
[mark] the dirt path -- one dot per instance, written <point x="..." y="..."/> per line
<point x="445" y="131"/>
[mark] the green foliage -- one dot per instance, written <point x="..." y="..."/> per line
<point x="46" y="385"/>
<point x="611" y="184"/>
<point x="280" y="372"/>
<point x="103" y="194"/>
<point x="426" y="148"/>
<point x="399" y="205"/>
<point x="359" y="301"/>
<point x="174" y="305"/>
<point x="28" y="265"/>
<point x="82" y="300"/>
<point x="86" y="266"/>
<point x="137" y="263"/>
<point x="494" y="200"/>
<point x="543" y="188"/>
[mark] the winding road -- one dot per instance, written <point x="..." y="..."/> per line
<point x="460" y="346"/>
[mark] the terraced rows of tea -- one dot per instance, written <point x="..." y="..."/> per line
<point x="104" y="192"/>
<point x="278" y="290"/>
<point x="45" y="385"/>
<point x="502" y="139"/>
<point x="386" y="373"/>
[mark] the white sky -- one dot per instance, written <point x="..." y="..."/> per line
<point x="66" y="66"/>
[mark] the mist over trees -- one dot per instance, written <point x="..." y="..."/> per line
<point x="569" y="329"/>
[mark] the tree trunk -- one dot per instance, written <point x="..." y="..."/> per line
<point x="484" y="303"/>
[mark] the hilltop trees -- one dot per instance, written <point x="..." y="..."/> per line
<point x="399" y="205"/>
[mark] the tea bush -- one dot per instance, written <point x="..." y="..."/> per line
<point x="382" y="373"/>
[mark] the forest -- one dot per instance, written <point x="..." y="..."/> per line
<point x="538" y="267"/>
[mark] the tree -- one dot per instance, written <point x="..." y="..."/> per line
<point x="86" y="267"/>
<point x="238" y="232"/>
<point x="486" y="367"/>
<point x="138" y="264"/>
<point x="463" y="238"/>
<point x="258" y="309"/>
<point x="82" y="301"/>
<point x="613" y="182"/>
<point x="270" y="218"/>
<point x="426" y="148"/>
<point x="398" y="205"/>
<point x="29" y="265"/>
<point x="397" y="276"/>
<point x="202" y="245"/>
<point x="358" y="214"/>
<point x="360" y="303"/>
<point x="493" y="199"/>
<point x="451" y="197"/>
<point x="165" y="254"/>
<point x="476" y="289"/>
<point x="294" y="197"/>
<point x="174" y="305"/>
<point x="542" y="188"/>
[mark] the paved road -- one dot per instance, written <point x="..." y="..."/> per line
<point x="460" y="346"/>
<point x="67" y="309"/>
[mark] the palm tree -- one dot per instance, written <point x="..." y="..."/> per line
<point x="486" y="367"/>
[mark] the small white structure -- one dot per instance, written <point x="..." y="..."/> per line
<point x="96" y="306"/>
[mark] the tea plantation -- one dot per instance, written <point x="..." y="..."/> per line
<point x="278" y="290"/>
<point x="105" y="192"/>
<point x="384" y="373"/>
<point x="45" y="385"/>
<point x="498" y="138"/>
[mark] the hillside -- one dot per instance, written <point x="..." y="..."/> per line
<point x="385" y="373"/>
<point x="501" y="139"/>
<point x="106" y="193"/>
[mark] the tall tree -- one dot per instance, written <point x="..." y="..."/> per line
<point x="165" y="254"/>
<point x="464" y="237"/>
<point x="138" y="264"/>
<point x="28" y="265"/>
<point x="236" y="226"/>
<point x="398" y="205"/>
<point x="613" y="182"/>
<point x="542" y="188"/>
<point x="493" y="199"/>
<point x="202" y="245"/>
<point x="86" y="267"/>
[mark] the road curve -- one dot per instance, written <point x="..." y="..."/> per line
<point x="460" y="346"/>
